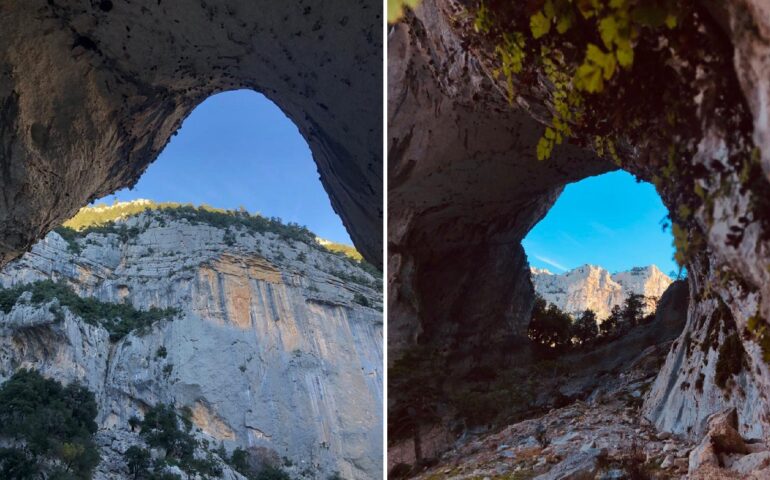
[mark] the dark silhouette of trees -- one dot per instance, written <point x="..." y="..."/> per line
<point x="610" y="324"/>
<point x="585" y="329"/>
<point x="633" y="310"/>
<point x="550" y="328"/>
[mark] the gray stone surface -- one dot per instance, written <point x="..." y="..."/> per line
<point x="268" y="351"/>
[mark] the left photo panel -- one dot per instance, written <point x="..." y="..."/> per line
<point x="191" y="240"/>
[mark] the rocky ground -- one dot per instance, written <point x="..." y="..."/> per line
<point x="603" y="438"/>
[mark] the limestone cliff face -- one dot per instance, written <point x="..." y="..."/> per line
<point x="594" y="288"/>
<point x="269" y="350"/>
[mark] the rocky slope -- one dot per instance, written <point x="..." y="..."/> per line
<point x="276" y="344"/>
<point x="594" y="288"/>
<point x="597" y="431"/>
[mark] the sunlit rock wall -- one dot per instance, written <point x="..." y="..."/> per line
<point x="269" y="349"/>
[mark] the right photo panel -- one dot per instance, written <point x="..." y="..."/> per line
<point x="578" y="239"/>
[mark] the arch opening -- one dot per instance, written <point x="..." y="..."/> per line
<point x="238" y="151"/>
<point x="602" y="254"/>
<point x="231" y="271"/>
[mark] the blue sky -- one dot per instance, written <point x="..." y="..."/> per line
<point x="238" y="148"/>
<point x="609" y="220"/>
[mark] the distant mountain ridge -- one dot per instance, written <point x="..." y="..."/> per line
<point x="592" y="287"/>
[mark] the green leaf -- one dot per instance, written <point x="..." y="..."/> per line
<point x="608" y="29"/>
<point x="564" y="21"/>
<point x="549" y="10"/>
<point x="396" y="8"/>
<point x="539" y="25"/>
<point x="544" y="147"/>
<point x="671" y="21"/>
<point x="625" y="54"/>
<point x="589" y="78"/>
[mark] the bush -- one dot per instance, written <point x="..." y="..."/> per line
<point x="361" y="300"/>
<point x="242" y="462"/>
<point x="51" y="425"/>
<point x="163" y="428"/>
<point x="118" y="318"/>
<point x="731" y="360"/>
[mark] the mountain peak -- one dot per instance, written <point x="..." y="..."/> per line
<point x="593" y="287"/>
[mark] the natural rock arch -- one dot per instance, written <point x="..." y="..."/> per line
<point x="91" y="91"/>
<point x="465" y="187"/>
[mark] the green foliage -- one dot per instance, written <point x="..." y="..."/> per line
<point x="396" y="8"/>
<point x="731" y="360"/>
<point x="163" y="428"/>
<point x="633" y="309"/>
<point x="138" y="461"/>
<point x="161" y="352"/>
<point x="605" y="32"/>
<point x="51" y="427"/>
<point x="585" y="329"/>
<point x="610" y="325"/>
<point x="346" y="250"/>
<point x="118" y="318"/>
<point x="361" y="300"/>
<point x="104" y="219"/>
<point x="760" y="332"/>
<point x="511" y="53"/>
<point x="71" y="236"/>
<point x="549" y="328"/>
<point x="241" y="462"/>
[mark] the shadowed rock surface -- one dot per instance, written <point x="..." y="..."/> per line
<point x="91" y="92"/>
<point x="465" y="187"/>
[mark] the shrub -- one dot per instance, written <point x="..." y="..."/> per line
<point x="51" y="426"/>
<point x="731" y="360"/>
<point x="361" y="300"/>
<point x="138" y="461"/>
<point x="242" y="462"/>
<point x="163" y="428"/>
<point x="161" y="352"/>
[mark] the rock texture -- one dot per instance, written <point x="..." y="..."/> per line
<point x="91" y="92"/>
<point x="593" y="288"/>
<point x="269" y="350"/>
<point x="465" y="188"/>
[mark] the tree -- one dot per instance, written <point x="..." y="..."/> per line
<point x="633" y="309"/>
<point x="610" y="325"/>
<point x="51" y="427"/>
<point x="138" y="460"/>
<point x="585" y="328"/>
<point x="549" y="327"/>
